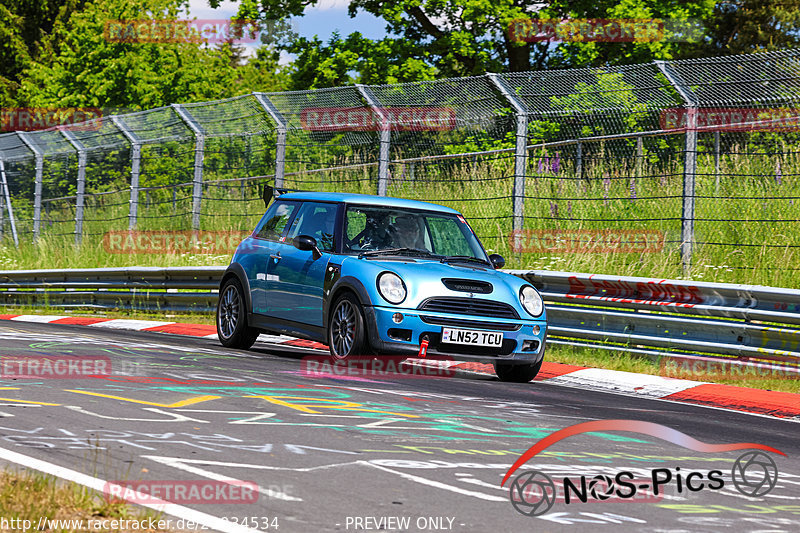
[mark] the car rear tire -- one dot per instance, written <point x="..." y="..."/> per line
<point x="517" y="373"/>
<point x="346" y="331"/>
<point x="232" y="328"/>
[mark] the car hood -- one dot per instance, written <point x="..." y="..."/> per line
<point x="423" y="279"/>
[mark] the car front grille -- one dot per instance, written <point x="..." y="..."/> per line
<point x="469" y="324"/>
<point x="469" y="306"/>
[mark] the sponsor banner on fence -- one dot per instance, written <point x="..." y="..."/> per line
<point x="380" y="367"/>
<point x="54" y="366"/>
<point x="173" y="242"/>
<point x="699" y="369"/>
<point x="586" y="241"/>
<point x="335" y="119"/>
<point x="734" y="118"/>
<point x="182" y="492"/>
<point x="42" y="118"/>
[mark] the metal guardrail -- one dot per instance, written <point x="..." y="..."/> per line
<point x="639" y="315"/>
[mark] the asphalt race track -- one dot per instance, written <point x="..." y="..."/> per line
<point x="359" y="454"/>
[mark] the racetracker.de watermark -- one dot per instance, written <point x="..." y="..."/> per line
<point x="233" y="491"/>
<point x="377" y="367"/>
<point x="334" y="119"/>
<point x="172" y="242"/>
<point x="733" y="118"/>
<point x="587" y="241"/>
<point x="54" y="366"/>
<point x="704" y="369"/>
<point x="604" y="30"/>
<point x="212" y="31"/>
<point x="42" y="118"/>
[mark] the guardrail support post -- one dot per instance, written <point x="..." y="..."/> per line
<point x="7" y="196"/>
<point x="79" y="197"/>
<point x="385" y="139"/>
<point x="136" y="156"/>
<point x="520" y="149"/>
<point x="199" y="146"/>
<point x="281" y="128"/>
<point x="689" y="163"/>
<point x="37" y="188"/>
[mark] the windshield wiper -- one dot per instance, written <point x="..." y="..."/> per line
<point x="396" y="251"/>
<point x="465" y="258"/>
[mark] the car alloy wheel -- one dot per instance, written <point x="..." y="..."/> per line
<point x="230" y="310"/>
<point x="346" y="330"/>
<point x="232" y="327"/>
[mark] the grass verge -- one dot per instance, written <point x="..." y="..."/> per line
<point x="29" y="496"/>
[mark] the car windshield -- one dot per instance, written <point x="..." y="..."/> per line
<point x="370" y="230"/>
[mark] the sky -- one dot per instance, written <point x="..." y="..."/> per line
<point x="322" y="20"/>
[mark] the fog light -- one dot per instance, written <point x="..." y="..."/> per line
<point x="536" y="330"/>
<point x="397" y="318"/>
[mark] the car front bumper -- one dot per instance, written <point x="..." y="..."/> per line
<point x="520" y="343"/>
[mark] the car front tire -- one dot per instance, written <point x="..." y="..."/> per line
<point x="346" y="330"/>
<point x="232" y="328"/>
<point x="517" y="373"/>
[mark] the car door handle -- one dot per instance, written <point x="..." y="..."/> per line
<point x="276" y="257"/>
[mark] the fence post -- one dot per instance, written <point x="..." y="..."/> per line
<point x="199" y="146"/>
<point x="689" y="162"/>
<point x="37" y="188"/>
<point x="79" y="197"/>
<point x="578" y="159"/>
<point x="386" y="137"/>
<point x="281" y="127"/>
<point x="136" y="156"/>
<point x="520" y="150"/>
<point x="7" y="196"/>
<point x="716" y="162"/>
<point x="639" y="155"/>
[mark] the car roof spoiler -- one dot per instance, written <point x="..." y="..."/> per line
<point x="271" y="192"/>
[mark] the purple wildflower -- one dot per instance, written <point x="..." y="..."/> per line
<point x="541" y="165"/>
<point x="633" y="189"/>
<point x="553" y="209"/>
<point x="556" y="164"/>
<point x="606" y="187"/>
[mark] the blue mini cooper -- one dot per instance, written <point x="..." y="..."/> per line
<point x="376" y="275"/>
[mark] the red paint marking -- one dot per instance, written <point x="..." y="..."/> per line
<point x="8" y="317"/>
<point x="773" y="403"/>
<point x="193" y="330"/>
<point x="80" y="320"/>
<point x="303" y="343"/>
<point x="553" y="370"/>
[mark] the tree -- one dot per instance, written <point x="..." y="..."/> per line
<point x="446" y="38"/>
<point x="741" y="26"/>
<point x="22" y="26"/>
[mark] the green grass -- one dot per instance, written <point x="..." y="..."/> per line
<point x="29" y="495"/>
<point x="755" y="251"/>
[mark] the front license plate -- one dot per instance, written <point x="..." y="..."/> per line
<point x="473" y="338"/>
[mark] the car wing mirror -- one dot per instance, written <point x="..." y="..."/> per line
<point x="307" y="243"/>
<point x="497" y="260"/>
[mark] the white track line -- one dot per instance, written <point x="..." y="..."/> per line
<point x="178" y="511"/>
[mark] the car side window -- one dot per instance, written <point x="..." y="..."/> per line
<point x="275" y="220"/>
<point x="317" y="220"/>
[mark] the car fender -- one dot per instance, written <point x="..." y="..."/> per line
<point x="346" y="282"/>
<point x="235" y="269"/>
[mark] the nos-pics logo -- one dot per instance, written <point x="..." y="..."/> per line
<point x="533" y="493"/>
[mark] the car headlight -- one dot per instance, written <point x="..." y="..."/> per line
<point x="531" y="300"/>
<point x="391" y="287"/>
